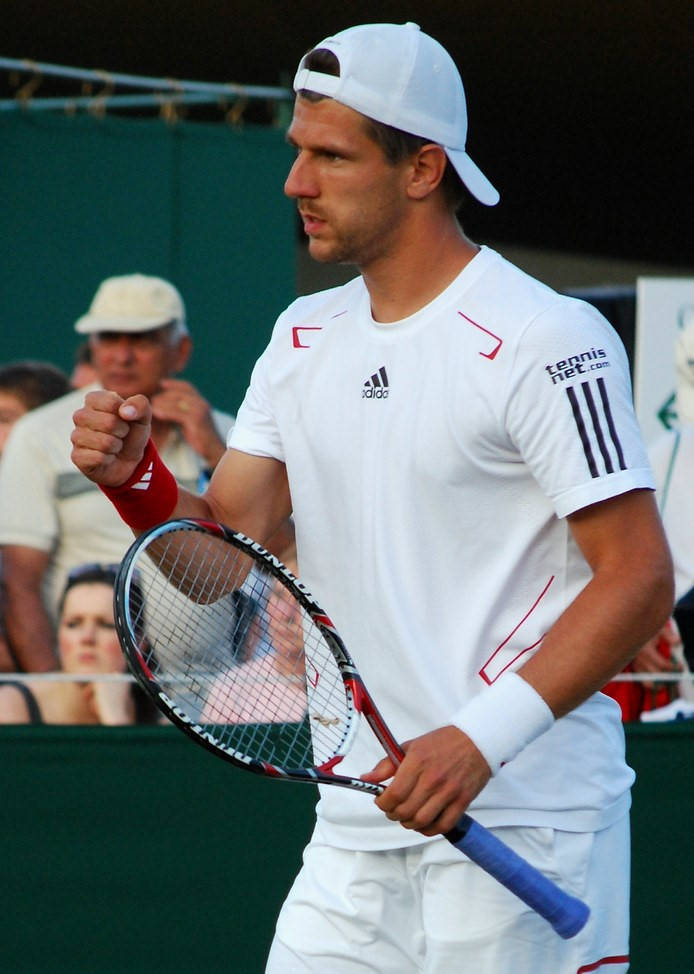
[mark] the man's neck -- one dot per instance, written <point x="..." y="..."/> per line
<point x="400" y="284"/>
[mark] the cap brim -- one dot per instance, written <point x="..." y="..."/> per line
<point x="89" y="324"/>
<point x="473" y="177"/>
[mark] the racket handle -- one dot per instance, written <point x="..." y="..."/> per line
<point x="567" y="914"/>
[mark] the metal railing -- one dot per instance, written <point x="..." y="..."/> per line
<point x="669" y="676"/>
<point x="159" y="92"/>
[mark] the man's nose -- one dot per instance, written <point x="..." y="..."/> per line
<point x="300" y="181"/>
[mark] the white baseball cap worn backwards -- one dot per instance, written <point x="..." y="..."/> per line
<point x="132" y="303"/>
<point x="400" y="76"/>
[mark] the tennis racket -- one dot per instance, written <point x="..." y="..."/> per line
<point x="234" y="650"/>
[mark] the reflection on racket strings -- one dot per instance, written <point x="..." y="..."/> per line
<point x="234" y="650"/>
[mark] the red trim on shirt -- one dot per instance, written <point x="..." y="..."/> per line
<point x="623" y="959"/>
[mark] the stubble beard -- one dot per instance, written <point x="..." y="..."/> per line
<point x="360" y="245"/>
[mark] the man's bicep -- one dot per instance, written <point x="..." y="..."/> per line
<point x="250" y="493"/>
<point x="625" y="603"/>
<point x="625" y="531"/>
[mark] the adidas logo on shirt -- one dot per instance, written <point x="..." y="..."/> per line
<point x="376" y="387"/>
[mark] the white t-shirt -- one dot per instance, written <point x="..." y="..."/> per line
<point x="432" y="462"/>
<point x="46" y="503"/>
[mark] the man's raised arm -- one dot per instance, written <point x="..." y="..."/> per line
<point x="111" y="445"/>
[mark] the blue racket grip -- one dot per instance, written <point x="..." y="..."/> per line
<point x="567" y="914"/>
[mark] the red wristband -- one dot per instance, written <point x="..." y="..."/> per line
<point x="149" y="495"/>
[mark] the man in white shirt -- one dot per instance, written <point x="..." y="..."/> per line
<point x="473" y="505"/>
<point x="51" y="517"/>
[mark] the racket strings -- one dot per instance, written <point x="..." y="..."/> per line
<point x="231" y="647"/>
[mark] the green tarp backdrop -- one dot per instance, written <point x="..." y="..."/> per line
<point x="201" y="204"/>
<point x="132" y="851"/>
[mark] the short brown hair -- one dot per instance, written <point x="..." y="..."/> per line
<point x="34" y="383"/>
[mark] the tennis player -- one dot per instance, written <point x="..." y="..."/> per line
<point x="473" y="505"/>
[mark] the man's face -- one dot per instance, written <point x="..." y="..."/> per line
<point x="136" y="363"/>
<point x="350" y="198"/>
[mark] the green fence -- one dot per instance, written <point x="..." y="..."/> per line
<point x="200" y="204"/>
<point x="131" y="851"/>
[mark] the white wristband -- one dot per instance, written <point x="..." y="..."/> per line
<point x="503" y="719"/>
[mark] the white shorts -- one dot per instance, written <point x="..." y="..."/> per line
<point x="428" y="910"/>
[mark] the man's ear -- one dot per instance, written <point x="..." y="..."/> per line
<point x="428" y="166"/>
<point x="183" y="353"/>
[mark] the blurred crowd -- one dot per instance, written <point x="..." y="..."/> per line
<point x="60" y="538"/>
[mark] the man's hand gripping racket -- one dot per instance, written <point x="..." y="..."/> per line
<point x="235" y="651"/>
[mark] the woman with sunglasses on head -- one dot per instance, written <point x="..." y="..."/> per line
<point x="87" y="644"/>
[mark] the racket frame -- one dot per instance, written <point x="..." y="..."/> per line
<point x="567" y="914"/>
<point x="357" y="698"/>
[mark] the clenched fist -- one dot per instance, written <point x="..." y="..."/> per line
<point x="110" y="436"/>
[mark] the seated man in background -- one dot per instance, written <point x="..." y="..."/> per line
<point x="52" y="518"/>
<point x="24" y="385"/>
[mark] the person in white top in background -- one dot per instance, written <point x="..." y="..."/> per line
<point x="672" y="458"/>
<point x="51" y="517"/>
<point x="474" y="507"/>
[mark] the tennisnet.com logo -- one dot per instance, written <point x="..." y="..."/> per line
<point x="584" y="362"/>
<point x="376" y="386"/>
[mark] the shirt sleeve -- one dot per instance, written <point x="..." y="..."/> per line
<point x="570" y="409"/>
<point x="255" y="430"/>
